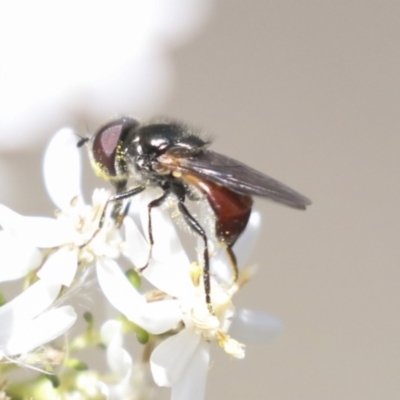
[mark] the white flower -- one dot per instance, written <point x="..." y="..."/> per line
<point x="180" y="361"/>
<point x="59" y="248"/>
<point x="72" y="239"/>
<point x="69" y="240"/>
<point x="118" y="359"/>
<point x="28" y="321"/>
<point x="128" y="380"/>
<point x="178" y="304"/>
<point x="22" y="238"/>
<point x="103" y="248"/>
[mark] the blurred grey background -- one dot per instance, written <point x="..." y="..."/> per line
<point x="309" y="93"/>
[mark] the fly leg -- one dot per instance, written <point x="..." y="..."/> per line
<point x="232" y="263"/>
<point x="155" y="203"/>
<point x="117" y="198"/>
<point x="192" y="222"/>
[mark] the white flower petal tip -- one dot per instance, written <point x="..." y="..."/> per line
<point x="35" y="231"/>
<point x="39" y="331"/>
<point x="119" y="360"/>
<point x="29" y="304"/>
<point x="255" y="220"/>
<point x="255" y="327"/>
<point x="62" y="168"/>
<point x="111" y="330"/>
<point x="16" y="257"/>
<point x="246" y="242"/>
<point x="128" y="380"/>
<point x="171" y="357"/>
<point x="182" y="364"/>
<point x="60" y="267"/>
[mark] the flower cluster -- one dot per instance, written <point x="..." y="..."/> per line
<point x="170" y="317"/>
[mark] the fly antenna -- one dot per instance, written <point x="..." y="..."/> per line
<point x="82" y="140"/>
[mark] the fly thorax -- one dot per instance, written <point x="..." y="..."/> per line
<point x="136" y="169"/>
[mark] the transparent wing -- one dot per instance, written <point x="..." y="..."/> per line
<point x="239" y="177"/>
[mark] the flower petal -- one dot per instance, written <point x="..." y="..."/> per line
<point x="16" y="258"/>
<point x="192" y="384"/>
<point x="45" y="232"/>
<point x="171" y="276"/>
<point x="172" y="356"/>
<point x="118" y="359"/>
<point x="111" y="330"/>
<point x="29" y="303"/>
<point x="62" y="168"/>
<point x="116" y="287"/>
<point x="38" y="231"/>
<point x="137" y="246"/>
<point x="43" y="329"/>
<point x="246" y="242"/>
<point x="159" y="316"/>
<point x="155" y="317"/>
<point x="254" y="327"/>
<point x="60" y="267"/>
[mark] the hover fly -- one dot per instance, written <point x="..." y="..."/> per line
<point x="168" y="155"/>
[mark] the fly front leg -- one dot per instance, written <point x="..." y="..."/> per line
<point x="116" y="199"/>
<point x="120" y="216"/>
<point x="192" y="222"/>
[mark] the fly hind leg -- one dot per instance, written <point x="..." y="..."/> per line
<point x="233" y="263"/>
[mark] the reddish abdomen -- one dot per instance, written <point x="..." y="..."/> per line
<point x="232" y="210"/>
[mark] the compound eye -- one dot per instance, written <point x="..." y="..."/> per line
<point x="105" y="146"/>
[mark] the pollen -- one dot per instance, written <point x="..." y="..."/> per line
<point x="177" y="174"/>
<point x="195" y="273"/>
